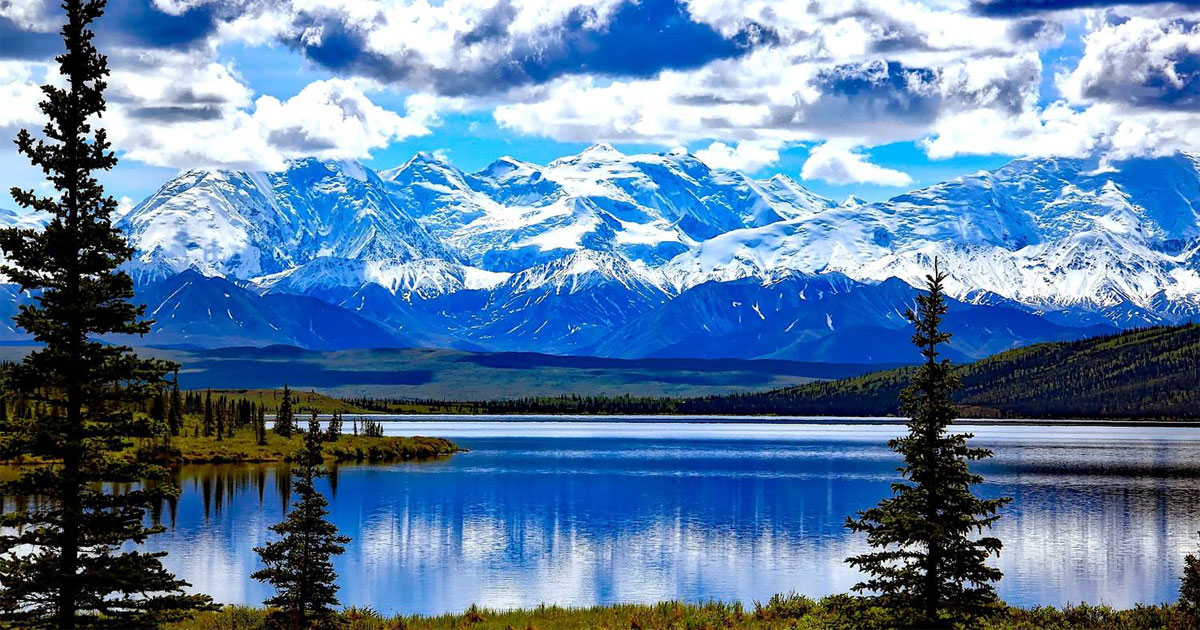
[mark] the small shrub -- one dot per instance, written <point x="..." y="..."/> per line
<point x="784" y="606"/>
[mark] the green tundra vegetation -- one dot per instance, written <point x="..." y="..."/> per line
<point x="782" y="612"/>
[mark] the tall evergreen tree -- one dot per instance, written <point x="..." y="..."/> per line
<point x="61" y="558"/>
<point x="928" y="568"/>
<point x="208" y="413"/>
<point x="299" y="565"/>
<point x="260" y="426"/>
<point x="285" y="421"/>
<point x="175" y="409"/>
<point x="220" y="418"/>
<point x="158" y="407"/>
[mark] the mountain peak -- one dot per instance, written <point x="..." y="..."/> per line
<point x="318" y="168"/>
<point x="599" y="153"/>
<point x="506" y="166"/>
<point x="426" y="157"/>
<point x="425" y="166"/>
<point x="601" y="149"/>
<point x="853" y="201"/>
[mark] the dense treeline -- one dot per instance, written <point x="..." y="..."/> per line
<point x="565" y="404"/>
<point x="1146" y="373"/>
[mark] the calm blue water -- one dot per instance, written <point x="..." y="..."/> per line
<point x="584" y="513"/>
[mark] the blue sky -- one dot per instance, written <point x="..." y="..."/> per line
<point x="874" y="101"/>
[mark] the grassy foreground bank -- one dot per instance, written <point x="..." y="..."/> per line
<point x="791" y="612"/>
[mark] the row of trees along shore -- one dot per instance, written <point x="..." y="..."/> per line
<point x="68" y="555"/>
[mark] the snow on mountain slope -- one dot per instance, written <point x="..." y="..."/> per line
<point x="658" y="254"/>
<point x="26" y="221"/>
<point x="563" y="305"/>
<point x="646" y="208"/>
<point x="436" y="193"/>
<point x="1044" y="232"/>
<point x="243" y="225"/>
<point x="422" y="278"/>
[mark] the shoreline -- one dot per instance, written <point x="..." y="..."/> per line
<point x="749" y="419"/>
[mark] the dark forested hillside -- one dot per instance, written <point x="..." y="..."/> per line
<point x="1152" y="373"/>
<point x="1146" y="373"/>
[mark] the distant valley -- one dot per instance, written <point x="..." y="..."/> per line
<point x="460" y="375"/>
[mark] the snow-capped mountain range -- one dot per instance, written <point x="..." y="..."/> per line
<point x="659" y="255"/>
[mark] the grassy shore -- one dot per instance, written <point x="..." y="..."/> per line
<point x="780" y="613"/>
<point x="243" y="447"/>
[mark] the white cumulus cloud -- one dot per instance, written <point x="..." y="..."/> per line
<point x="746" y="156"/>
<point x="836" y="164"/>
<point x="329" y="119"/>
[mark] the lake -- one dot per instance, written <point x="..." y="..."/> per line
<point x="580" y="513"/>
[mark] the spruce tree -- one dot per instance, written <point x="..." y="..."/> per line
<point x="928" y="568"/>
<point x="64" y="560"/>
<point x="285" y="422"/>
<point x="261" y="426"/>
<point x="334" y="430"/>
<point x="175" y="409"/>
<point x="220" y="418"/>
<point x="208" y="413"/>
<point x="299" y="565"/>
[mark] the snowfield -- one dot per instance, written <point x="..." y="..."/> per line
<point x="659" y="255"/>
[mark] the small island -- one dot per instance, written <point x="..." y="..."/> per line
<point x="244" y="448"/>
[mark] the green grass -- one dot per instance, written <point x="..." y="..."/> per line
<point x="789" y="612"/>
<point x="243" y="448"/>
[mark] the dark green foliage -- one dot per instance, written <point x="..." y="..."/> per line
<point x="564" y="404"/>
<point x="299" y="565"/>
<point x="372" y="428"/>
<point x="334" y="430"/>
<point x="208" y="414"/>
<point x="158" y="407"/>
<point x="61" y="558"/>
<point x="1149" y="373"/>
<point x="1189" y="590"/>
<point x="927" y="568"/>
<point x="260" y="426"/>
<point x="175" y="408"/>
<point x="285" y="421"/>
<point x="220" y="425"/>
